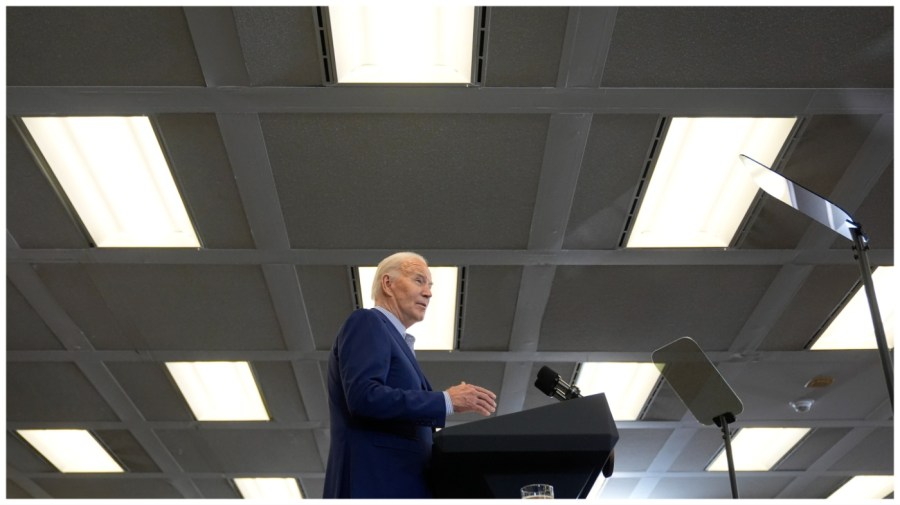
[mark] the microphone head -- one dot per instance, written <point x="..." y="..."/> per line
<point x="546" y="380"/>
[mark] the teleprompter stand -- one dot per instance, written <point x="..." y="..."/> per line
<point x="840" y="222"/>
<point x="702" y="390"/>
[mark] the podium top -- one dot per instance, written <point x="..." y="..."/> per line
<point x="578" y="425"/>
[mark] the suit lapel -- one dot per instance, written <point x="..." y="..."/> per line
<point x="405" y="348"/>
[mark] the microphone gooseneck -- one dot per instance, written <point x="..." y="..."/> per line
<point x="551" y="384"/>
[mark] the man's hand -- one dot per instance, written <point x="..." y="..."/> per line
<point x="470" y="398"/>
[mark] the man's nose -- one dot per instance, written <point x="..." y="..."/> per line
<point x="427" y="291"/>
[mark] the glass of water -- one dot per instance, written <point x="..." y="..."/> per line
<point x="537" y="492"/>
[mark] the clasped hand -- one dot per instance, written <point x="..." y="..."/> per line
<point x="471" y="398"/>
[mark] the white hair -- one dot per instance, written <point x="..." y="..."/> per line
<point x="389" y="266"/>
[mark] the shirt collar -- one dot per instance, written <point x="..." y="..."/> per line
<point x="393" y="319"/>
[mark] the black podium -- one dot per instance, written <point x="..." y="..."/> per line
<point x="565" y="444"/>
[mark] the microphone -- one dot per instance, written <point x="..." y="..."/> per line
<point x="552" y="385"/>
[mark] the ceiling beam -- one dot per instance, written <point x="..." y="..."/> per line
<point x="246" y="147"/>
<point x="488" y="257"/>
<point x="217" y="45"/>
<point x="104" y="100"/>
<point x="585" y="47"/>
<point x="567" y="137"/>
<point x="862" y="356"/>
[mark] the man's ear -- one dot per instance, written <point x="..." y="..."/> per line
<point x="386" y="285"/>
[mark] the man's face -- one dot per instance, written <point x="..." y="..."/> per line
<point x="411" y="290"/>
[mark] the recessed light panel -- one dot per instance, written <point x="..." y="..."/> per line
<point x="699" y="191"/>
<point x="626" y="385"/>
<point x="864" y="487"/>
<point x="219" y="390"/>
<point x="71" y="451"/>
<point x="416" y="42"/>
<point x="758" y="449"/>
<point x="113" y="171"/>
<point x="269" y="488"/>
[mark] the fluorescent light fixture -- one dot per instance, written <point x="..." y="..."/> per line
<point x="269" y="488"/>
<point x="113" y="171"/>
<point x="699" y="192"/>
<point x="219" y="390"/>
<point x="72" y="451"/>
<point x="758" y="449"/>
<point x="413" y="42"/>
<point x="435" y="332"/>
<point x="852" y="328"/>
<point x="865" y="487"/>
<point x="626" y="385"/>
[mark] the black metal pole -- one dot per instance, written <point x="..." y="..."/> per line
<point x="722" y="421"/>
<point x="861" y="246"/>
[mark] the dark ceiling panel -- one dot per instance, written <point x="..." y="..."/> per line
<point x="100" y="487"/>
<point x="329" y="301"/>
<point x="278" y="386"/>
<point x="237" y="451"/>
<point x="25" y="330"/>
<point x="168" y="306"/>
<point x="340" y="177"/>
<point x="873" y="455"/>
<point x="100" y="46"/>
<point x="203" y="173"/>
<point x="717" y="485"/>
<point x="525" y="46"/>
<point x="192" y="307"/>
<point x="279" y="45"/>
<point x="812" y="448"/>
<point x="52" y="392"/>
<point x="751" y="47"/>
<point x="73" y="289"/>
<point x="490" y="305"/>
<point x="637" y="448"/>
<point x="876" y="214"/>
<point x="608" y="308"/>
<point x="613" y="164"/>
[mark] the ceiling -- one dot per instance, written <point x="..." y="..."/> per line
<point x="527" y="180"/>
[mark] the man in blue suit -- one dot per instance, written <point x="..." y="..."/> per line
<point x="383" y="410"/>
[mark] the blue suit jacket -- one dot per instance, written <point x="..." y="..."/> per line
<point x="382" y="413"/>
